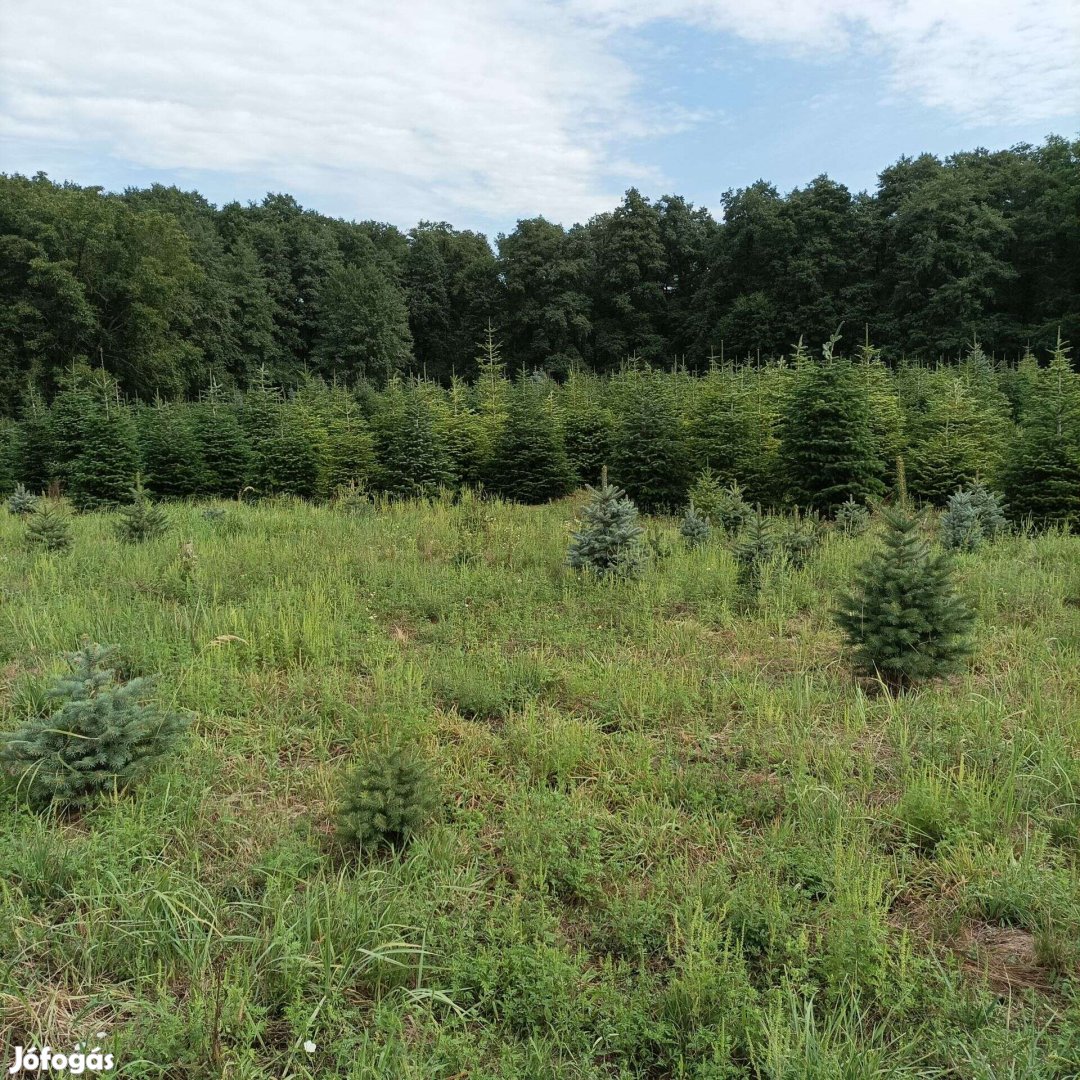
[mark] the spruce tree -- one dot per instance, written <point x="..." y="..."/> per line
<point x="961" y="528"/>
<point x="34" y="451"/>
<point x="852" y="517"/>
<point x="172" y="464"/>
<point x="960" y="436"/>
<point x="224" y="448"/>
<point x="288" y="443"/>
<point x="103" y="472"/>
<point x="1041" y="479"/>
<point x="386" y="800"/>
<point x="349" y="459"/>
<point x="48" y="530"/>
<point x="609" y="536"/>
<point x="588" y="428"/>
<point x="904" y="618"/>
<point x="491" y="392"/>
<point x="410" y="446"/>
<point x="755" y="548"/>
<point x="721" y="427"/>
<point x="530" y="463"/>
<point x="650" y="452"/>
<point x="723" y="507"/>
<point x="694" y="529"/>
<point x="972" y="516"/>
<point x="96" y="735"/>
<point x="141" y="519"/>
<point x="22" y="502"/>
<point x="827" y="443"/>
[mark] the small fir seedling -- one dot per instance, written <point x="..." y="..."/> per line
<point x="48" y="530"/>
<point x="756" y="548"/>
<point x="608" y="540"/>
<point x="904" y="618"/>
<point x="386" y="800"/>
<point x="214" y="514"/>
<point x="852" y="517"/>
<point x="96" y="734"/>
<point x="694" y="529"/>
<point x="22" y="502"/>
<point x="800" y="539"/>
<point x="353" y="499"/>
<point x="722" y="506"/>
<point x="141" y="519"/>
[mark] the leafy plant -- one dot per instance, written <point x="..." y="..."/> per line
<point x="94" y="735"/>
<point x="386" y="800"/>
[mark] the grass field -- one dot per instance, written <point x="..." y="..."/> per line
<point x="678" y="838"/>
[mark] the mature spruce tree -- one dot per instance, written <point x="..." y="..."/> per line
<point x="172" y="462"/>
<point x="650" y="452"/>
<point x="961" y="435"/>
<point x="904" y="618"/>
<point x="827" y="443"/>
<point x="288" y="443"/>
<point x="350" y="449"/>
<point x="108" y="459"/>
<point x="34" y="452"/>
<point x="412" y="454"/>
<point x="720" y="427"/>
<point x="530" y="462"/>
<point x="609" y="537"/>
<point x="588" y="427"/>
<point x="224" y="447"/>
<point x="491" y="396"/>
<point x="1041" y="479"/>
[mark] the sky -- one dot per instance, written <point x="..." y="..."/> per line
<point x="481" y="112"/>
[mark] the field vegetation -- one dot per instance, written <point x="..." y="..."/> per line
<point x="657" y="825"/>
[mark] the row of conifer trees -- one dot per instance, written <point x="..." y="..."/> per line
<point x="813" y="430"/>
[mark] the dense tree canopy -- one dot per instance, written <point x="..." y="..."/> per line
<point x="164" y="291"/>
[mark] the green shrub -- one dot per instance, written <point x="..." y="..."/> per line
<point x="386" y="800"/>
<point x="95" y="735"/>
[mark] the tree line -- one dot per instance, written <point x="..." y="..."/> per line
<point x="815" y="430"/>
<point x="167" y="293"/>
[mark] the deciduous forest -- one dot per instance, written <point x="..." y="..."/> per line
<point x="166" y="292"/>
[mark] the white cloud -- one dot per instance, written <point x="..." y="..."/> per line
<point x="503" y="107"/>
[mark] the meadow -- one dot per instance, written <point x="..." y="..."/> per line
<point x="677" y="838"/>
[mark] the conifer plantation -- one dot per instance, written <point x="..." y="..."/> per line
<point x="648" y="650"/>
